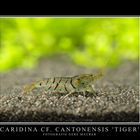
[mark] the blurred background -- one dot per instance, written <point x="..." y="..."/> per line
<point x="88" y="42"/>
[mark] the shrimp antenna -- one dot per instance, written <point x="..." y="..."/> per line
<point x="103" y="69"/>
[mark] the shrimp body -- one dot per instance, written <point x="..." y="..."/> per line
<point x="79" y="83"/>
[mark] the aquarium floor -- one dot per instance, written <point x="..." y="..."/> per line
<point x="117" y="98"/>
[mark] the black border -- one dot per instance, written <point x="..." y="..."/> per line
<point x="70" y="9"/>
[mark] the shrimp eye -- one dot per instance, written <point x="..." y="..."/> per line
<point x="40" y="84"/>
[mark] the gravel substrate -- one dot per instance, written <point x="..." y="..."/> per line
<point x="117" y="98"/>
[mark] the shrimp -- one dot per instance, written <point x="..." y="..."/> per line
<point x="68" y="85"/>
